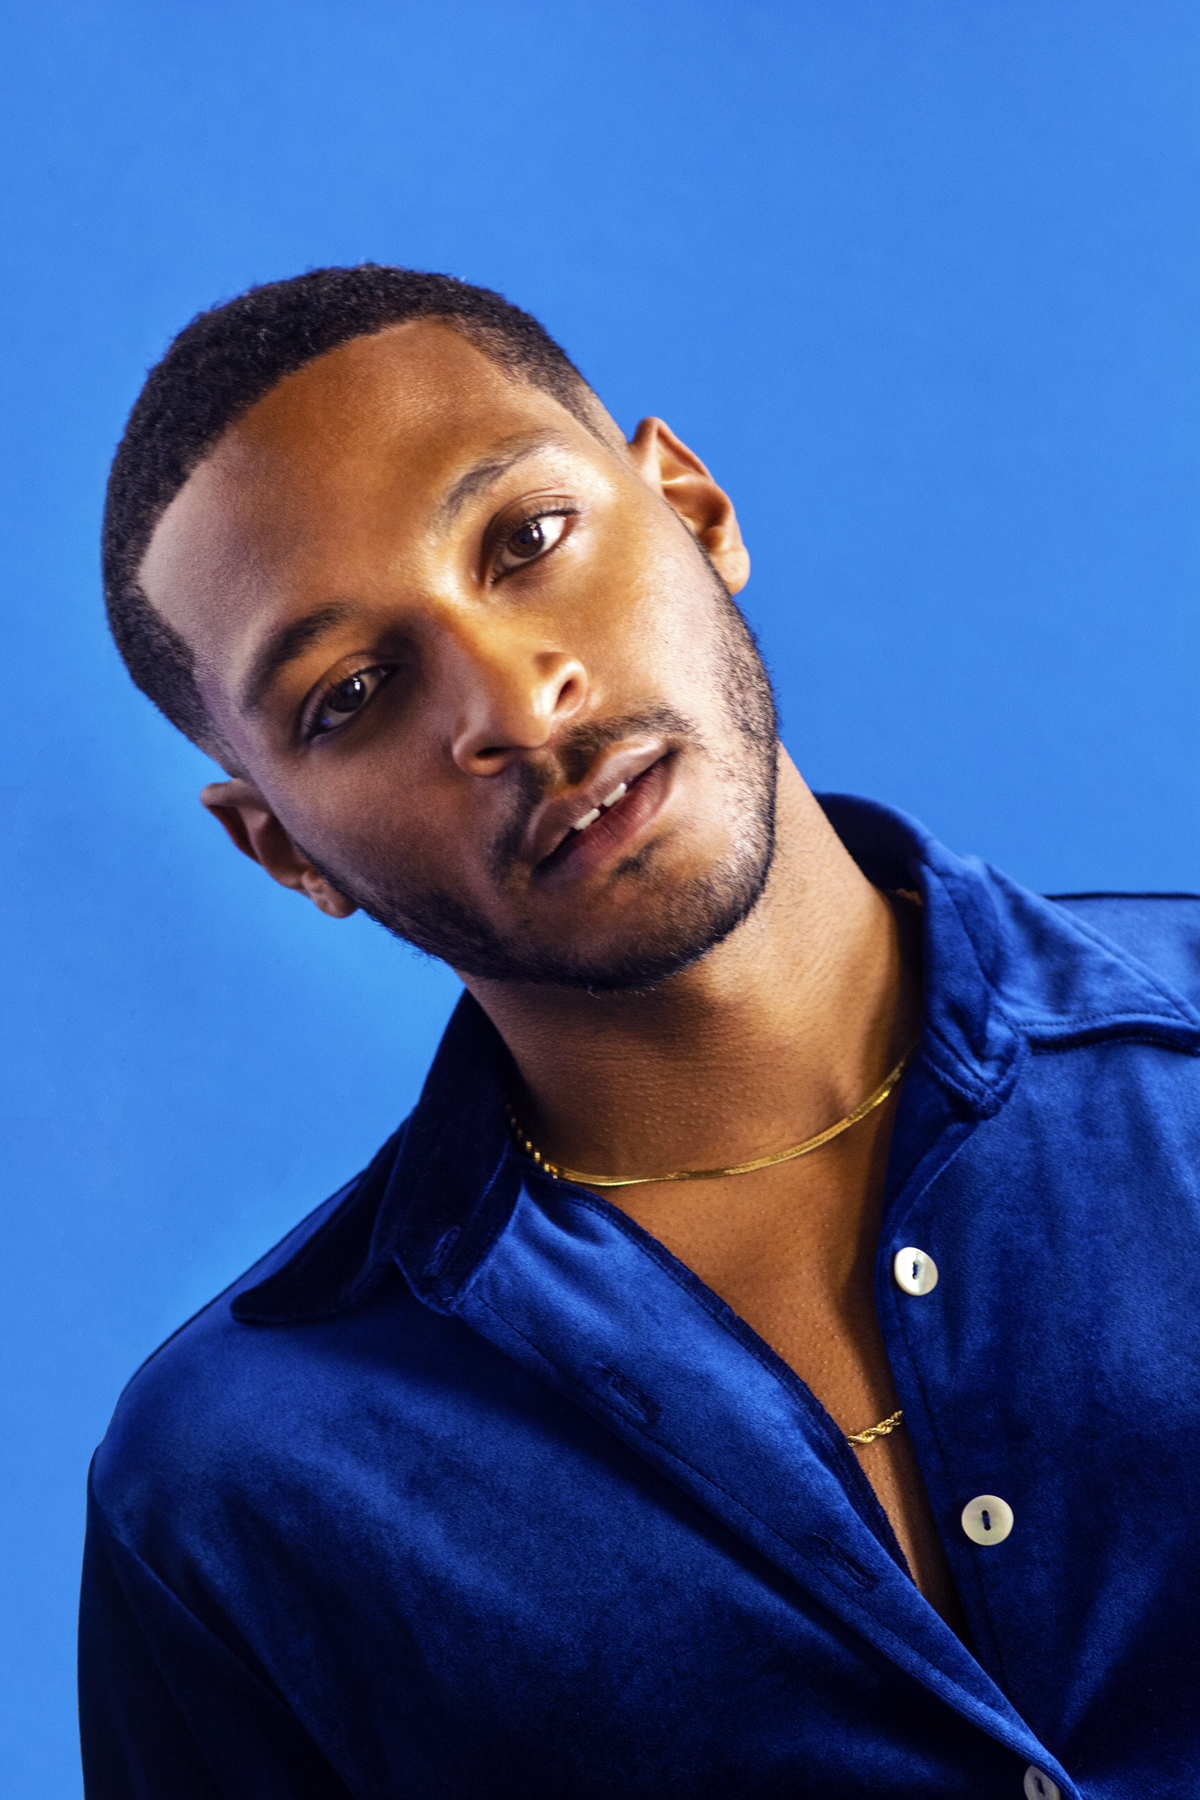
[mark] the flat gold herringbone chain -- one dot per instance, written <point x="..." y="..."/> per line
<point x="525" y="1144"/>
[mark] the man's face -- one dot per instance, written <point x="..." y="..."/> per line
<point x="476" y="666"/>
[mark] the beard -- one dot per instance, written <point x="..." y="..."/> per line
<point x="675" y="926"/>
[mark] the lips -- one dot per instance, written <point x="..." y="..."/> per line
<point x="592" y="801"/>
<point x="610" y="830"/>
<point x="610" y="800"/>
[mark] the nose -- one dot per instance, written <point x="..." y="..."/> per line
<point x="508" y="696"/>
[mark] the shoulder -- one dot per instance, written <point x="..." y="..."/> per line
<point x="206" y="1401"/>
<point x="1161" y="930"/>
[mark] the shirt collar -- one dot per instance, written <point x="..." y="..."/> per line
<point x="1004" y="969"/>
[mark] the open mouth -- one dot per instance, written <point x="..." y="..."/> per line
<point x="605" y="829"/>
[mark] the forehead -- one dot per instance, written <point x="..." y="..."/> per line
<point x="366" y="438"/>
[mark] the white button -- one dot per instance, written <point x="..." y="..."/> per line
<point x="1039" y="1786"/>
<point x="915" y="1271"/>
<point x="987" y="1519"/>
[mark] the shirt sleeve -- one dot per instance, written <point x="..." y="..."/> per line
<point x="166" y="1708"/>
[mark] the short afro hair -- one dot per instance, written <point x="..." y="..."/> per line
<point x="225" y="361"/>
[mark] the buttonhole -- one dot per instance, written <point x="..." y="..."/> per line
<point x="628" y="1398"/>
<point x="442" y="1249"/>
<point x="987" y="1519"/>
<point x="841" y="1568"/>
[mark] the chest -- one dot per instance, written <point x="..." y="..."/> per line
<point x="792" y="1250"/>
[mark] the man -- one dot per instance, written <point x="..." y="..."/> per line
<point x="764" y="1363"/>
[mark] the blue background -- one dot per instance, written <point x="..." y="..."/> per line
<point x="919" y="280"/>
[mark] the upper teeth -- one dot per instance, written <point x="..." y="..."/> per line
<point x="589" y="817"/>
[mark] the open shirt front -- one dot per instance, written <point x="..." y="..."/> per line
<point x="470" y="1489"/>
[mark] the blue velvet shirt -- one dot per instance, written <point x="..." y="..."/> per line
<point x="471" y="1489"/>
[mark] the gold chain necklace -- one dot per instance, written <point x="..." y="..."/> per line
<point x="858" y="1438"/>
<point x="884" y="1428"/>
<point x="886" y="1086"/>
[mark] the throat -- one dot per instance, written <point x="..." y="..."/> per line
<point x="772" y="1159"/>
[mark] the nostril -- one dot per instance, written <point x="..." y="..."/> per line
<point x="570" y="691"/>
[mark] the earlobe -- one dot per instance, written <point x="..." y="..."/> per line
<point x="253" y="827"/>
<point x="328" y="899"/>
<point x="665" y="464"/>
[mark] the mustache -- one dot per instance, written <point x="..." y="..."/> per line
<point x="568" y="764"/>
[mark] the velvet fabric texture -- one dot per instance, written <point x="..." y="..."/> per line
<point x="471" y="1489"/>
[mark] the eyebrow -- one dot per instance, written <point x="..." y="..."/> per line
<point x="489" y="469"/>
<point x="284" y="646"/>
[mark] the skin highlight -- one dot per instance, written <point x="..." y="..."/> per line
<point x="425" y="699"/>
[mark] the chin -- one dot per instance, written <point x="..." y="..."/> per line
<point x="663" y="933"/>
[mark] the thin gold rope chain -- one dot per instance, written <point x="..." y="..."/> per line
<point x="884" y="1428"/>
<point x="881" y="1093"/>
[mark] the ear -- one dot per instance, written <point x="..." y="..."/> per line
<point x="258" y="834"/>
<point x="666" y="464"/>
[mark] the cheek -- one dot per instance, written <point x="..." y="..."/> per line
<point x="387" y="824"/>
<point x="656" y="614"/>
<point x="357" y="821"/>
<point x="403" y="833"/>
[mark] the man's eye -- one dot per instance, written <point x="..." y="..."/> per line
<point x="531" y="539"/>
<point x="341" y="703"/>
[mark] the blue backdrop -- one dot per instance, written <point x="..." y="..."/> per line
<point x="918" y="278"/>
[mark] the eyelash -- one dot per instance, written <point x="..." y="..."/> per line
<point x="312" y="728"/>
<point x="533" y="516"/>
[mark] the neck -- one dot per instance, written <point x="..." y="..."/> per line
<point x="778" y="1032"/>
